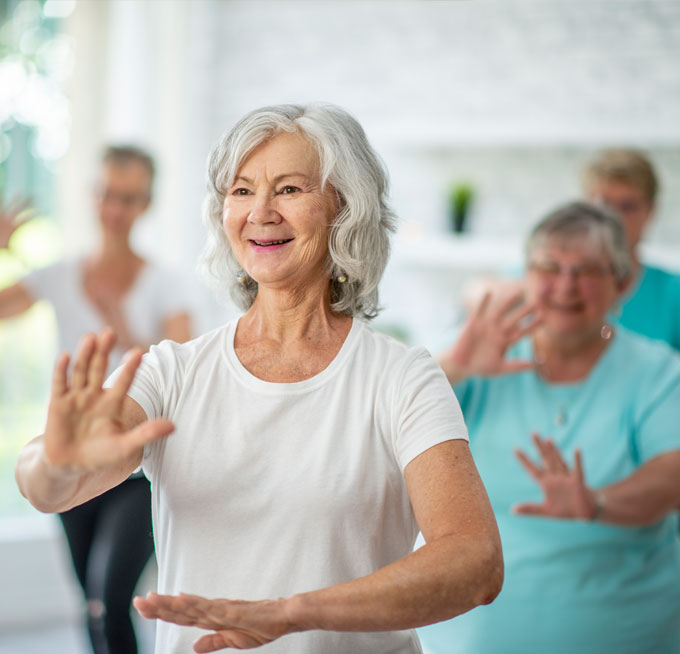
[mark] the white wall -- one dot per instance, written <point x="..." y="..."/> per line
<point x="512" y="96"/>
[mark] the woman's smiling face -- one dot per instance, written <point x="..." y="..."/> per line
<point x="573" y="284"/>
<point x="276" y="216"/>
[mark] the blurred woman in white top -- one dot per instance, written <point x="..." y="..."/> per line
<point x="142" y="303"/>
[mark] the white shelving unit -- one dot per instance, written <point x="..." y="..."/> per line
<point x="456" y="253"/>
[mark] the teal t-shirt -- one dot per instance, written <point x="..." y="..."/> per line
<point x="575" y="586"/>
<point x="653" y="307"/>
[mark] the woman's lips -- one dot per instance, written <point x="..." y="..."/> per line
<point x="570" y="308"/>
<point x="269" y="244"/>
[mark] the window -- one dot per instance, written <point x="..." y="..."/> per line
<point x="34" y="60"/>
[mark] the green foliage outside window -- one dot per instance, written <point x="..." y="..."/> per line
<point x="34" y="59"/>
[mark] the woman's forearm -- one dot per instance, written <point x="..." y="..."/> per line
<point x="644" y="497"/>
<point x="439" y="581"/>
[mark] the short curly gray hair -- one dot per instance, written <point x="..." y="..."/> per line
<point x="359" y="243"/>
<point x="584" y="219"/>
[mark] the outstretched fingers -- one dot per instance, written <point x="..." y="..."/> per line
<point x="82" y="362"/>
<point x="236" y="638"/>
<point x="578" y="467"/>
<point x="553" y="457"/>
<point x="100" y="359"/>
<point x="482" y="306"/>
<point x="126" y="375"/>
<point x="216" y="641"/>
<point x="60" y="376"/>
<point x="534" y="471"/>
<point x="510" y="302"/>
<point x="147" y="432"/>
<point x="529" y="508"/>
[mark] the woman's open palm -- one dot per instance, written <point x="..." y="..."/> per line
<point x="85" y="430"/>
<point x="235" y="623"/>
<point x="490" y="330"/>
<point x="565" y="493"/>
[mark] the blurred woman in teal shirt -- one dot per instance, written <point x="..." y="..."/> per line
<point x="589" y="525"/>
<point x="625" y="181"/>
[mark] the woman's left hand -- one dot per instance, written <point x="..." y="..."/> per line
<point x="235" y="623"/>
<point x="566" y="494"/>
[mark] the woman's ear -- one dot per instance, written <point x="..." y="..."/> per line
<point x="625" y="284"/>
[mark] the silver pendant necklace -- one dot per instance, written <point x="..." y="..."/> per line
<point x="561" y="417"/>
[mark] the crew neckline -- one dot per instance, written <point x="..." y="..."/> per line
<point x="290" y="388"/>
<point x="565" y="388"/>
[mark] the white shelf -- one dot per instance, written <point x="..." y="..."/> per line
<point x="470" y="253"/>
<point x="457" y="253"/>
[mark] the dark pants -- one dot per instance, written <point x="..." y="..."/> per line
<point x="110" y="541"/>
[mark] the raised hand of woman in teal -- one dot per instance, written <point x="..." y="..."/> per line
<point x="492" y="327"/>
<point x="565" y="493"/>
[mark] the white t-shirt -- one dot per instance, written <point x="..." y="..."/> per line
<point x="267" y="489"/>
<point x="156" y="294"/>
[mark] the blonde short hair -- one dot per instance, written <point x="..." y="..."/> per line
<point x="622" y="165"/>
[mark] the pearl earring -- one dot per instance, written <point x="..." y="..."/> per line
<point x="342" y="278"/>
<point x="241" y="277"/>
<point x="606" y="332"/>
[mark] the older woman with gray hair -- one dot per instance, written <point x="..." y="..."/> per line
<point x="591" y="549"/>
<point x="293" y="453"/>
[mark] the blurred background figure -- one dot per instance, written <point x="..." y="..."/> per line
<point x="591" y="548"/>
<point x="110" y="536"/>
<point x="625" y="181"/>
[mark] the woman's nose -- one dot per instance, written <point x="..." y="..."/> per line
<point x="264" y="211"/>
<point x="567" y="279"/>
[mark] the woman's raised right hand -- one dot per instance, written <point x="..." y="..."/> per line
<point x="498" y="321"/>
<point x="85" y="428"/>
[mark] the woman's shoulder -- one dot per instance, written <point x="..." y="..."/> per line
<point x="644" y="358"/>
<point x="387" y="347"/>
<point x="208" y="346"/>
<point x="662" y="280"/>
<point x="383" y="356"/>
<point x="54" y="279"/>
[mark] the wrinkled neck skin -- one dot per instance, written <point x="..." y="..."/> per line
<point x="292" y="315"/>
<point x="568" y="357"/>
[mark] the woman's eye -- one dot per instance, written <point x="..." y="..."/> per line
<point x="240" y="191"/>
<point x="287" y="190"/>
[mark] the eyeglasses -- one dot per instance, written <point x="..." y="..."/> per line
<point x="128" y="200"/>
<point x="587" y="271"/>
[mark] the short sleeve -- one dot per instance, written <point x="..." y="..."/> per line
<point x="151" y="389"/>
<point x="428" y="411"/>
<point x="44" y="283"/>
<point x="658" y="415"/>
<point x="149" y="386"/>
